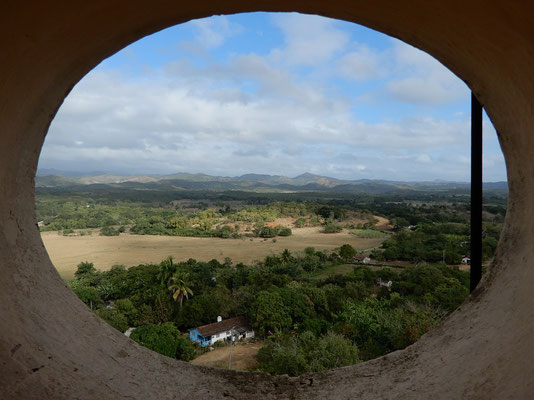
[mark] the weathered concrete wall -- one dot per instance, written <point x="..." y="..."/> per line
<point x="52" y="347"/>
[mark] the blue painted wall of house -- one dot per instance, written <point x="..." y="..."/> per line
<point x="195" y="336"/>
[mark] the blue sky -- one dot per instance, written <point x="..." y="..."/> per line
<point x="270" y="93"/>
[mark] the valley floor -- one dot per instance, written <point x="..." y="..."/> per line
<point x="66" y="252"/>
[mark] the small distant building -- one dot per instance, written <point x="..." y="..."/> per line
<point x="362" y="260"/>
<point x="387" y="284"/>
<point x="229" y="329"/>
<point x="466" y="260"/>
<point x="41" y="224"/>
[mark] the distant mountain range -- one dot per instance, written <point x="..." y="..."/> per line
<point x="248" y="182"/>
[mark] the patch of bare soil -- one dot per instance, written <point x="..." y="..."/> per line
<point x="244" y="356"/>
<point x="383" y="224"/>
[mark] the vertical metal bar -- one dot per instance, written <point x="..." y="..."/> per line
<point x="476" y="192"/>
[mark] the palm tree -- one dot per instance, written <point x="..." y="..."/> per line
<point x="166" y="269"/>
<point x="286" y="257"/>
<point x="179" y="287"/>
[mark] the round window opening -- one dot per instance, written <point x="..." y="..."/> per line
<point x="268" y="192"/>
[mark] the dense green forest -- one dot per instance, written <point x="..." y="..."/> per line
<point x="309" y="323"/>
<point x="446" y="242"/>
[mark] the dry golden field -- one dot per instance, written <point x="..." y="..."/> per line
<point x="67" y="252"/>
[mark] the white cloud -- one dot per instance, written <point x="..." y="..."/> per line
<point x="213" y="32"/>
<point x="309" y="39"/>
<point x="362" y="64"/>
<point x="424" y="158"/>
<point x="261" y="114"/>
<point x="421" y="91"/>
<point x="168" y="126"/>
<point x="422" y="80"/>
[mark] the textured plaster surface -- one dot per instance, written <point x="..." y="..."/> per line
<point x="53" y="347"/>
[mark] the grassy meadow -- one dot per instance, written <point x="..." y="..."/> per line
<point x="66" y="252"/>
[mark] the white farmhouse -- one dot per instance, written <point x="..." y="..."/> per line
<point x="230" y="329"/>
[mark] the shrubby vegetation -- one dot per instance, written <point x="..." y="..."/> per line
<point x="379" y="326"/>
<point x="272" y="231"/>
<point x="332" y="228"/>
<point x="196" y="220"/>
<point x="298" y="354"/>
<point x="111" y="231"/>
<point x="368" y="233"/>
<point x="447" y="242"/>
<point x="310" y="324"/>
<point x="164" y="339"/>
